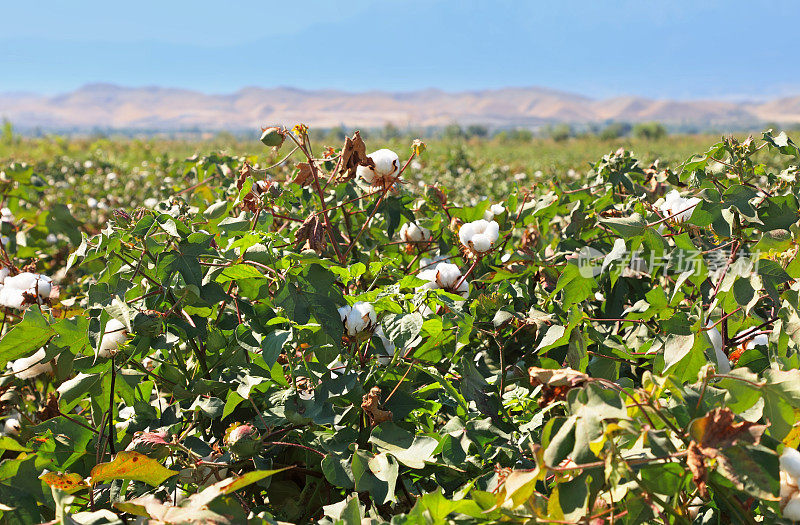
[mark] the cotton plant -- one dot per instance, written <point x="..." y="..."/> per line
<point x="385" y="170"/>
<point x="26" y="288"/>
<point x="479" y="236"/>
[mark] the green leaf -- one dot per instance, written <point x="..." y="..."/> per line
<point x="27" y="336"/>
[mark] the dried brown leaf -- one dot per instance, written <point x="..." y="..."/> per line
<point x="370" y="405"/>
<point x="354" y="154"/>
<point x="304" y="174"/>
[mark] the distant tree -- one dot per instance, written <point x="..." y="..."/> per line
<point x="390" y="131"/>
<point x="615" y="130"/>
<point x="519" y="135"/>
<point x="649" y="130"/>
<point x="476" y="130"/>
<point x="453" y="131"/>
<point x="559" y="132"/>
<point x="8" y="132"/>
<point x="335" y="135"/>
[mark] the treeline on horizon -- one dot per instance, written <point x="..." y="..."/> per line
<point x="558" y="132"/>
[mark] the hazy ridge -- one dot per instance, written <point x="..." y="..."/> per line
<point x="154" y="108"/>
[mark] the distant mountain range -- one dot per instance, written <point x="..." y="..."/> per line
<point x="107" y="106"/>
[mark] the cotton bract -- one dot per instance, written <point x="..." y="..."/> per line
<point x="387" y="166"/>
<point x="23" y="289"/>
<point x="115" y="335"/>
<point x="412" y="232"/>
<point x="358" y="318"/>
<point x="680" y="207"/>
<point x="479" y="236"/>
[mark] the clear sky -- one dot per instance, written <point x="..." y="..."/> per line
<point x="656" y="48"/>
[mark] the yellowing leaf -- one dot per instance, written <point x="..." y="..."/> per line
<point x="131" y="465"/>
<point x="67" y="482"/>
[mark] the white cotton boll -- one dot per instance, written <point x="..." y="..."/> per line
<point x="479" y="235"/>
<point x="494" y="210"/>
<point x="30" y="367"/>
<point x="114" y="337"/>
<point x="387" y="165"/>
<point x="466" y="232"/>
<point x="126" y="413"/>
<point x="680" y="208"/>
<point x="792" y="509"/>
<point x="344" y="311"/>
<point x="11" y="298"/>
<point x="51" y="238"/>
<point x="430" y="275"/>
<point x="788" y="485"/>
<point x="448" y="275"/>
<point x="481" y="243"/>
<point x="790" y="462"/>
<point x="3" y="274"/>
<point x="150" y="202"/>
<point x="358" y="318"/>
<point x="388" y="346"/>
<point x="14" y="289"/>
<point x="11" y="426"/>
<point x="412" y="232"/>
<point x="91" y="202"/>
<point x="759" y="340"/>
<point x="723" y="363"/>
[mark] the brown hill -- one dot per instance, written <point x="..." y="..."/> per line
<point x="154" y="108"/>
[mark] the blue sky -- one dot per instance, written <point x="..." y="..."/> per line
<point x="677" y="49"/>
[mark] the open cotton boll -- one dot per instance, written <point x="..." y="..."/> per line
<point x="387" y="166"/>
<point x="758" y="340"/>
<point x="445" y="276"/>
<point x="358" y="318"/>
<point x="388" y="346"/>
<point x="412" y="232"/>
<point x="6" y="215"/>
<point x="723" y="363"/>
<point x="479" y="235"/>
<point x="792" y="509"/>
<point x="681" y="207"/>
<point x="789" y="474"/>
<point x="16" y="287"/>
<point x="115" y="335"/>
<point x="30" y="367"/>
<point x="3" y="274"/>
<point x="790" y="462"/>
<point x="12" y="426"/>
<point x="494" y="210"/>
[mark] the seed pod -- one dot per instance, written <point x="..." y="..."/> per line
<point x="272" y="137"/>
<point x="243" y="440"/>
